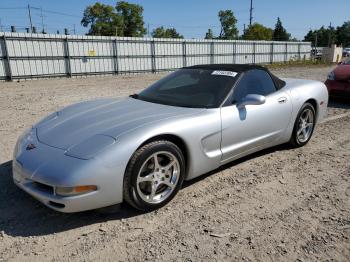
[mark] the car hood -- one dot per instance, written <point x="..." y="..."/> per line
<point x="342" y="72"/>
<point x="111" y="117"/>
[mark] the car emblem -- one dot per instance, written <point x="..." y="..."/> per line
<point x="30" y="147"/>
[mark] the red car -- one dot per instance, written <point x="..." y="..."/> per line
<point x="338" y="81"/>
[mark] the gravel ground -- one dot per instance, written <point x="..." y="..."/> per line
<point x="280" y="204"/>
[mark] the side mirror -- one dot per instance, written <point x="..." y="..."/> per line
<point x="251" y="99"/>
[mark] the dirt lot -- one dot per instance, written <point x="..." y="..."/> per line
<point x="280" y="204"/>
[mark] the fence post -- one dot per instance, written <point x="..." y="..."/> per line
<point x="234" y="52"/>
<point x="286" y="53"/>
<point x="212" y="52"/>
<point x="271" y="53"/>
<point x="184" y="58"/>
<point x="153" y="56"/>
<point x="254" y="51"/>
<point x="67" y="57"/>
<point x="115" y="55"/>
<point x="299" y="53"/>
<point x="8" y="70"/>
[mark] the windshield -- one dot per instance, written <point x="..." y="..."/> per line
<point x="196" y="88"/>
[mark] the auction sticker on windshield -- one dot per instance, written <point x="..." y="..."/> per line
<point x="224" y="73"/>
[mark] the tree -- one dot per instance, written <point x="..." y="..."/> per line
<point x="280" y="33"/>
<point x="343" y="34"/>
<point x="257" y="31"/>
<point x="102" y="20"/>
<point x="131" y="14"/>
<point x="209" y="34"/>
<point x="321" y="37"/>
<point x="161" y="32"/>
<point x="228" y="25"/>
<point x="123" y="20"/>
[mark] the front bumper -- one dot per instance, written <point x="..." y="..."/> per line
<point x="338" y="88"/>
<point x="39" y="171"/>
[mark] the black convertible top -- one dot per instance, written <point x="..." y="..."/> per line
<point x="240" y="68"/>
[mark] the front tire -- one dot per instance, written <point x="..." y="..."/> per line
<point x="154" y="175"/>
<point x="304" y="126"/>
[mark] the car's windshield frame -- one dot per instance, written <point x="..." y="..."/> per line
<point x="226" y="85"/>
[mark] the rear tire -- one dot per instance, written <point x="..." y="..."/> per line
<point x="304" y="126"/>
<point x="154" y="175"/>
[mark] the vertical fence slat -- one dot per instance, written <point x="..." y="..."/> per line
<point x="212" y="52"/>
<point x="254" y="52"/>
<point x="184" y="54"/>
<point x="153" y="56"/>
<point x="67" y="57"/>
<point x="271" y="53"/>
<point x="8" y="70"/>
<point x="115" y="58"/>
<point x="286" y="53"/>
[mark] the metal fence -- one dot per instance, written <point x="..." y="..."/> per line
<point x="46" y="55"/>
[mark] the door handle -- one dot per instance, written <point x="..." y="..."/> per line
<point x="282" y="100"/>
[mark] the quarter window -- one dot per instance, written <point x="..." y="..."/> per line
<point x="253" y="82"/>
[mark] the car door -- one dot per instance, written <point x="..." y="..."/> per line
<point x="251" y="127"/>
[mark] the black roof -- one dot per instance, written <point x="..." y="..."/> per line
<point x="240" y="68"/>
<point x="232" y="67"/>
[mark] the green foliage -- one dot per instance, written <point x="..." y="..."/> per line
<point x="228" y="25"/>
<point x="258" y="32"/>
<point x="102" y="20"/>
<point x="132" y="18"/>
<point x="343" y="34"/>
<point x="209" y="34"/>
<point x="280" y="33"/>
<point x="124" y="20"/>
<point x="162" y="32"/>
<point x="321" y="37"/>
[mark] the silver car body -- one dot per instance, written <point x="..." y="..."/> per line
<point x="91" y="143"/>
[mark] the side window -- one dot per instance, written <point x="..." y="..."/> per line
<point x="253" y="82"/>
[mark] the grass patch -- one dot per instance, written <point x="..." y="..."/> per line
<point x="301" y="63"/>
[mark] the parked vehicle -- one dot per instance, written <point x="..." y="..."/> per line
<point x="316" y="53"/>
<point x="140" y="149"/>
<point x="338" y="80"/>
<point x="346" y="52"/>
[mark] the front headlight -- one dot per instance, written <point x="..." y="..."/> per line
<point x="74" y="191"/>
<point x="90" y="147"/>
<point x="331" y="76"/>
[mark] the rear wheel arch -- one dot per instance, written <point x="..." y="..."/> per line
<point x="313" y="102"/>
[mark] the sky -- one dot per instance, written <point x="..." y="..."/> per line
<point x="191" y="18"/>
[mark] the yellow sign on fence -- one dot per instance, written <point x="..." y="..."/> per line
<point x="92" y="52"/>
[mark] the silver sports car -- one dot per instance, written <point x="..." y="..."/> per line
<point x="139" y="149"/>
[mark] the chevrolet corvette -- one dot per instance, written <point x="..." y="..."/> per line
<point x="139" y="149"/>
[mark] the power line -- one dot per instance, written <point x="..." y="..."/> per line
<point x="60" y="13"/>
<point x="12" y="8"/>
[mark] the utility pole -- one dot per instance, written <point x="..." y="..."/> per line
<point x="148" y="33"/>
<point x="243" y="28"/>
<point x="30" y="19"/>
<point x="251" y="13"/>
<point x="316" y="41"/>
<point x="42" y="20"/>
<point x="1" y="28"/>
<point x="73" y="29"/>
<point x="329" y="34"/>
